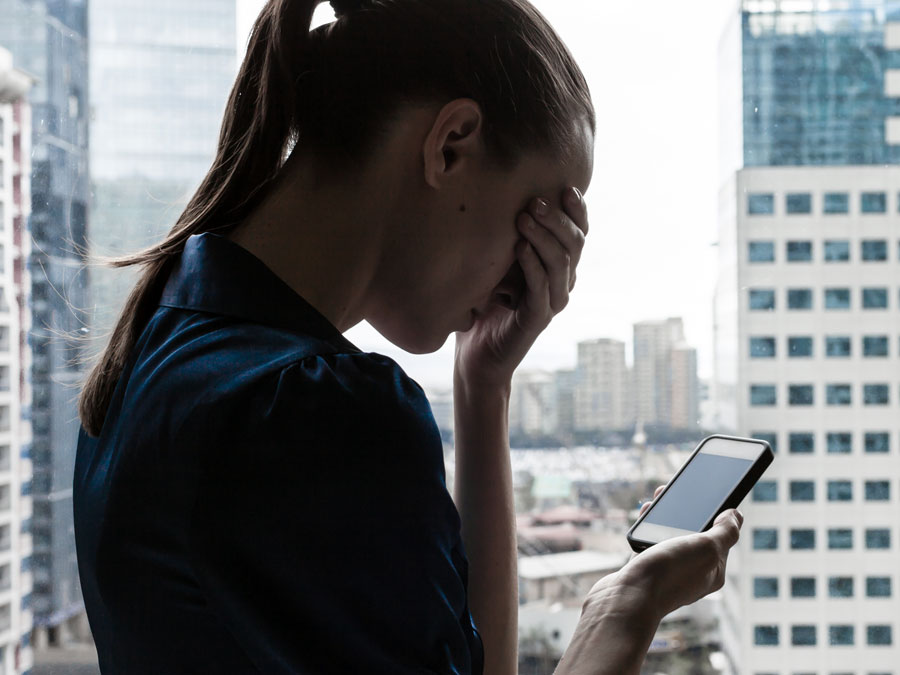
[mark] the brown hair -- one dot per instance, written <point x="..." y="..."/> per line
<point x="330" y="90"/>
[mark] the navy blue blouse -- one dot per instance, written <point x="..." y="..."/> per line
<point x="265" y="497"/>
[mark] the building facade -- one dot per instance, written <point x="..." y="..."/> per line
<point x="665" y="375"/>
<point x="48" y="41"/>
<point x="601" y="386"/>
<point x="807" y="334"/>
<point x="16" y="561"/>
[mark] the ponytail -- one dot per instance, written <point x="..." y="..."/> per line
<point x="256" y="131"/>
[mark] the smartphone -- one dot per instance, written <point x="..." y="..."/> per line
<point x="716" y="477"/>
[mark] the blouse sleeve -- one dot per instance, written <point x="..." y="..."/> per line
<point x="323" y="533"/>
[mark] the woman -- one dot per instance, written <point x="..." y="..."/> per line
<point x="255" y="494"/>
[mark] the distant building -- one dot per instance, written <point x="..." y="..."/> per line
<point x="533" y="403"/>
<point x="664" y="375"/>
<point x="16" y="562"/>
<point x="601" y="386"/>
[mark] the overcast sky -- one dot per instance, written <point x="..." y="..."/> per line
<point x="651" y="67"/>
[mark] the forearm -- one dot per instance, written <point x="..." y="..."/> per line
<point x="484" y="499"/>
<point x="613" y="634"/>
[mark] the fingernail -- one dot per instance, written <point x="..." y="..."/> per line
<point x="576" y="194"/>
<point x="542" y="208"/>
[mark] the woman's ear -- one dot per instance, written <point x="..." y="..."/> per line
<point x="454" y="141"/>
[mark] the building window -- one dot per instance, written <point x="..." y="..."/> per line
<point x="840" y="587"/>
<point x="838" y="394"/>
<point x="875" y="345"/>
<point x="799" y="251"/>
<point x="875" y="394"/>
<point x="765" y="491"/>
<point x="803" y="636"/>
<point x="800" y="394"/>
<point x="874" y="298"/>
<point x="839" y="442"/>
<point x="765" y="587"/>
<point x="762" y="300"/>
<point x="798" y="202"/>
<point x="799" y="298"/>
<point x="761" y="251"/>
<point x="803" y="587"/>
<point x="874" y="250"/>
<point x="761" y="204"/>
<point x="765" y="539"/>
<point x="800" y="347"/>
<point x="803" y="491"/>
<point x="803" y="539"/>
<point x="840" y="491"/>
<point x="800" y="442"/>
<point x="765" y="636"/>
<point x="840" y="635"/>
<point x="878" y="538"/>
<point x="877" y="441"/>
<point x="837" y="250"/>
<point x="873" y="202"/>
<point x="837" y="298"/>
<point x="837" y="346"/>
<point x="836" y="202"/>
<point x="878" y="587"/>
<point x="769" y="437"/>
<point x="878" y="635"/>
<point x="762" y="347"/>
<point x="762" y="394"/>
<point x="840" y="538"/>
<point x="878" y="490"/>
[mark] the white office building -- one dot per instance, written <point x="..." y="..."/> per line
<point x="601" y="386"/>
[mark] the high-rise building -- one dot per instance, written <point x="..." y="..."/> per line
<point x="665" y="375"/>
<point x="160" y="74"/>
<point x="48" y="41"/>
<point x="15" y="360"/>
<point x="532" y="404"/>
<point x="807" y="332"/>
<point x="601" y="386"/>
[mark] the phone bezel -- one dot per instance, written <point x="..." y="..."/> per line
<point x="731" y="501"/>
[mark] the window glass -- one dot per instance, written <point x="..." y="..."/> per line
<point x="798" y="202"/>
<point x="836" y="202"/>
<point x="875" y="394"/>
<point x="803" y="538"/>
<point x="802" y="491"/>
<point x="761" y="251"/>
<point x="875" y="345"/>
<point x="800" y="346"/>
<point x="837" y="250"/>
<point x="841" y="634"/>
<point x="878" y="490"/>
<point x="837" y="298"/>
<point x="799" y="298"/>
<point x="765" y="636"/>
<point x="799" y="251"/>
<point x="838" y="394"/>
<point x="761" y="204"/>
<point x="768" y="436"/>
<point x="765" y="491"/>
<point x="838" y="442"/>
<point x="873" y="202"/>
<point x="837" y="346"/>
<point x="765" y="539"/>
<point x="765" y="587"/>
<point x="762" y="394"/>
<point x="878" y="587"/>
<point x="877" y="441"/>
<point x="762" y="299"/>
<point x="803" y="587"/>
<point x="874" y="298"/>
<point x="840" y="538"/>
<point x="840" y="587"/>
<point x="800" y="442"/>
<point x="800" y="394"/>
<point x="879" y="634"/>
<point x="840" y="491"/>
<point x="762" y="347"/>
<point x="874" y="249"/>
<point x="878" y="537"/>
<point x="803" y="635"/>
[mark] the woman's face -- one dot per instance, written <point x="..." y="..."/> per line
<point x="460" y="259"/>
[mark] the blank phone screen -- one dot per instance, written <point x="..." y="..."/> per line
<point x="699" y="491"/>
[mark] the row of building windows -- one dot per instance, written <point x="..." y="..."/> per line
<point x="836" y="346"/>
<point x="834" y="250"/>
<point x="838" y="587"/>
<point x="801" y="203"/>
<point x="763" y="299"/>
<point x="835" y="490"/>
<point x="805" y="635"/>
<point x="836" y="442"/>
<point x="804" y="539"/>
<point x="840" y="394"/>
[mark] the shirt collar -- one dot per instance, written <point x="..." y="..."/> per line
<point x="215" y="275"/>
